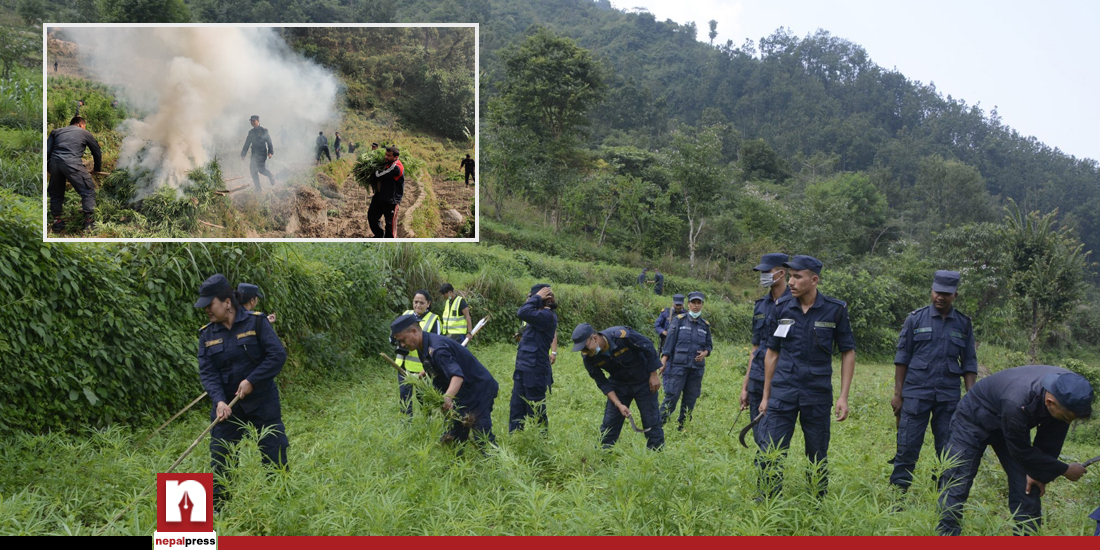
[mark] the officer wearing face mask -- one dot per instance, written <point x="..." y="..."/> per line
<point x="772" y="277"/>
<point x="631" y="365"/>
<point x="684" y="354"/>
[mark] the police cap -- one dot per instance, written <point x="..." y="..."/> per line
<point x="249" y="291"/>
<point x="581" y="334"/>
<point x="769" y="262"/>
<point x="538" y="287"/>
<point x="946" y="281"/>
<point x="801" y="263"/>
<point x="254" y="117"/>
<point x="403" y="322"/>
<point x="696" y="296"/>
<point x="1072" y="392"/>
<point x="216" y="285"/>
<point x="678" y="299"/>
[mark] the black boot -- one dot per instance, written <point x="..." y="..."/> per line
<point x="89" y="222"/>
<point x="58" y="225"/>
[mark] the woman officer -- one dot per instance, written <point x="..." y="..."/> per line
<point x="239" y="355"/>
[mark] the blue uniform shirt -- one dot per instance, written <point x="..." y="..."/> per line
<point x="1011" y="402"/>
<point x="687" y="336"/>
<point x="537" y="336"/>
<point x="803" y="374"/>
<point x="629" y="359"/>
<point x="938" y="350"/>
<point x="761" y="310"/>
<point x="662" y="320"/>
<point x="444" y="358"/>
<point x="250" y="350"/>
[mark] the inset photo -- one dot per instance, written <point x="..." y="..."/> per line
<point x="256" y="132"/>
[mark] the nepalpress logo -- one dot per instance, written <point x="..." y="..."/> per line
<point x="185" y="503"/>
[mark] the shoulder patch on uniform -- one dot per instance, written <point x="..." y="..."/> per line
<point x="621" y="351"/>
<point x="202" y="328"/>
<point x="209" y="343"/>
<point x="431" y="350"/>
<point x="680" y="316"/>
<point x="622" y="333"/>
<point x="255" y="313"/>
<point x="244" y="334"/>
<point x="707" y="322"/>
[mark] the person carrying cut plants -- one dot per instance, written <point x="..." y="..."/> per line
<point x="391" y="188"/>
<point x="239" y="354"/>
<point x="468" y="389"/>
<point x="64" y="157"/>
<point x="631" y="364"/>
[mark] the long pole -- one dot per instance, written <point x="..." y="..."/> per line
<point x="170" y="468"/>
<point x="175" y="416"/>
<point x="476" y="328"/>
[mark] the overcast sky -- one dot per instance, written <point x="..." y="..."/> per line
<point x="1035" y="61"/>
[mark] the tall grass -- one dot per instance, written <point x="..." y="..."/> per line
<point x="20" y="103"/>
<point x="357" y="466"/>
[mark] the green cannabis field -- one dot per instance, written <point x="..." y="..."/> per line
<point x="358" y="466"/>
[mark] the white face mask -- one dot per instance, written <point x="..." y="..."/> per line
<point x="597" y="352"/>
<point x="768" y="279"/>
<point x="695" y="314"/>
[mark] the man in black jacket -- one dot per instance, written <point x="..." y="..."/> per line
<point x="391" y="188"/>
<point x="1000" y="411"/>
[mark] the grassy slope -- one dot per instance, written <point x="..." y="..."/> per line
<point x="359" y="468"/>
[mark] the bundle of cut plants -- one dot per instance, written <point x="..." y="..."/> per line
<point x="369" y="163"/>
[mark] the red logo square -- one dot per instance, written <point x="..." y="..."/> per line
<point x="185" y="503"/>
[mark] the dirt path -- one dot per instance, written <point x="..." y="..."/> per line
<point x="453" y="195"/>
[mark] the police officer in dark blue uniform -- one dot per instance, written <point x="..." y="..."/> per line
<point x="631" y="362"/>
<point x="259" y="140"/>
<point x="1000" y="411"/>
<point x="661" y="326"/>
<point x="772" y="277"/>
<point x="684" y="355"/>
<point x="935" y="349"/>
<point x="1095" y="515"/>
<point x="468" y="388"/>
<point x="239" y="354"/>
<point x="250" y="298"/>
<point x="533" y="376"/>
<point x="802" y="332"/>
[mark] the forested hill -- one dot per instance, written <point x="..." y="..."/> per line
<point x="819" y="101"/>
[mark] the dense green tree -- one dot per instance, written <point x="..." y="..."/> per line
<point x="145" y="11"/>
<point x="1047" y="272"/>
<point x="698" y="180"/>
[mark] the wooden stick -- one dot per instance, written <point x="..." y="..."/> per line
<point x="236" y="178"/>
<point x="400" y="370"/>
<point x="233" y="190"/>
<point x="211" y="224"/>
<point x="192" y="404"/>
<point x="170" y="468"/>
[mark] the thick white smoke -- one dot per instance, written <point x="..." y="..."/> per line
<point x="201" y="85"/>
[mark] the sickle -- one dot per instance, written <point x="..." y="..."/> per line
<point x="635" y="426"/>
<point x="746" y="429"/>
<point x="1091" y="461"/>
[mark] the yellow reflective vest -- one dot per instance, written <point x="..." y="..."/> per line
<point x="454" y="322"/>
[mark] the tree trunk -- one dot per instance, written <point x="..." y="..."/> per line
<point x="606" y="219"/>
